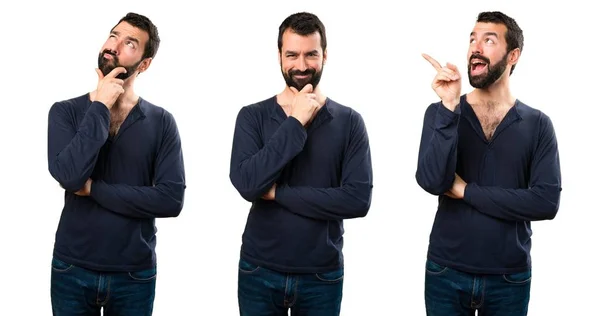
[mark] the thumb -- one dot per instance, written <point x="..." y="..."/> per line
<point x="307" y="88"/>
<point x="100" y="75"/>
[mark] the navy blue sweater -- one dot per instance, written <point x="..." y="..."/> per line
<point x="512" y="179"/>
<point x="323" y="175"/>
<point x="138" y="175"/>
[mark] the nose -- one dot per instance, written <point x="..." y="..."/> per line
<point x="301" y="65"/>
<point x="476" y="47"/>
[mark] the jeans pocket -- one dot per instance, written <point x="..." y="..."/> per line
<point x="143" y="275"/>
<point x="434" y="268"/>
<point x="247" y="267"/>
<point x="60" y="266"/>
<point x="331" y="276"/>
<point x="518" y="278"/>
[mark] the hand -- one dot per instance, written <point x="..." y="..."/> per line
<point x="304" y="104"/>
<point x="270" y="196"/>
<point x="109" y="87"/>
<point x="446" y="83"/>
<point x="86" y="190"/>
<point x="458" y="188"/>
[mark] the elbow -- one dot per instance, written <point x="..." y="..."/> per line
<point x="433" y="187"/>
<point x="66" y="181"/>
<point x="362" y="206"/>
<point x="550" y="210"/>
<point x="175" y="209"/>
<point x="249" y="193"/>
<point x="550" y="205"/>
<point x="362" y="210"/>
<point x="174" y="205"/>
<point x="70" y="185"/>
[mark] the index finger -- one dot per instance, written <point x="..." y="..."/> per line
<point x="432" y="61"/>
<point x="115" y="72"/>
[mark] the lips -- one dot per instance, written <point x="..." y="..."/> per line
<point x="478" y="64"/>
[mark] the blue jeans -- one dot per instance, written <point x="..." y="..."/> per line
<point x="264" y="292"/>
<point x="81" y="292"/>
<point x="449" y="292"/>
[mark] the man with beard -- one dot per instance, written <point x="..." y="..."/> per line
<point x="493" y="161"/>
<point x="303" y="161"/>
<point x="119" y="159"/>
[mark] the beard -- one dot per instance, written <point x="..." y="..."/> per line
<point x="313" y="78"/>
<point x="492" y="75"/>
<point x="107" y="65"/>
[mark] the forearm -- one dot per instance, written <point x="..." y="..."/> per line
<point x="72" y="152"/>
<point x="349" y="201"/>
<point x="437" y="152"/>
<point x="161" y="200"/>
<point x="533" y="204"/>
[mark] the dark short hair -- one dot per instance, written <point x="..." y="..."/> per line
<point x="514" y="34"/>
<point x="302" y="23"/>
<point x="143" y="23"/>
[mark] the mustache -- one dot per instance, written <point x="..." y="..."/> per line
<point x="301" y="73"/>
<point x="112" y="53"/>
<point x="480" y="57"/>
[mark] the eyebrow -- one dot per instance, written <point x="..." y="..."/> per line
<point x="487" y="34"/>
<point x="288" y="52"/>
<point x="133" y="39"/>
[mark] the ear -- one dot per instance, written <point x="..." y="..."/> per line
<point x="279" y="56"/>
<point x="324" y="56"/>
<point x="145" y="64"/>
<point x="513" y="56"/>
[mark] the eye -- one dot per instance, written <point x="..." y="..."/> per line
<point x="130" y="44"/>
<point x="489" y="41"/>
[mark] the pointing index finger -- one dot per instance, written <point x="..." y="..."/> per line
<point x="432" y="61"/>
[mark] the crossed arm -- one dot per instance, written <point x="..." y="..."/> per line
<point x="73" y="152"/>
<point x="256" y="167"/>
<point x="437" y="167"/>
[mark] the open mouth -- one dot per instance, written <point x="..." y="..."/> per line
<point x="478" y="67"/>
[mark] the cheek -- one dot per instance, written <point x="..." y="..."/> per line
<point x="287" y="66"/>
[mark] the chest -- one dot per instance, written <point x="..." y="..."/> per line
<point x="489" y="118"/>
<point x="117" y="117"/>
<point x="320" y="161"/>
<point x="129" y="155"/>
<point x="504" y="161"/>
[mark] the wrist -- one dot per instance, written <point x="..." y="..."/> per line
<point x="451" y="104"/>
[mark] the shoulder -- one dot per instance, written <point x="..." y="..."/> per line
<point x="532" y="114"/>
<point x="262" y="106"/>
<point x="536" y="119"/>
<point x="158" y="116"/>
<point x="344" y="111"/>
<point x="254" y="112"/>
<point x="72" y="104"/>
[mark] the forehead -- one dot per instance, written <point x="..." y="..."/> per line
<point x="482" y="28"/>
<point x="126" y="29"/>
<point x="294" y="42"/>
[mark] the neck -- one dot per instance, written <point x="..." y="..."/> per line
<point x="126" y="100"/>
<point x="498" y="93"/>
<point x="287" y="95"/>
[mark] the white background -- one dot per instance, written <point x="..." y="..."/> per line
<point x="214" y="60"/>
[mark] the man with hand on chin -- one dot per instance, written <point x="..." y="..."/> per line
<point x="119" y="159"/>
<point x="493" y="161"/>
<point x="303" y="161"/>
